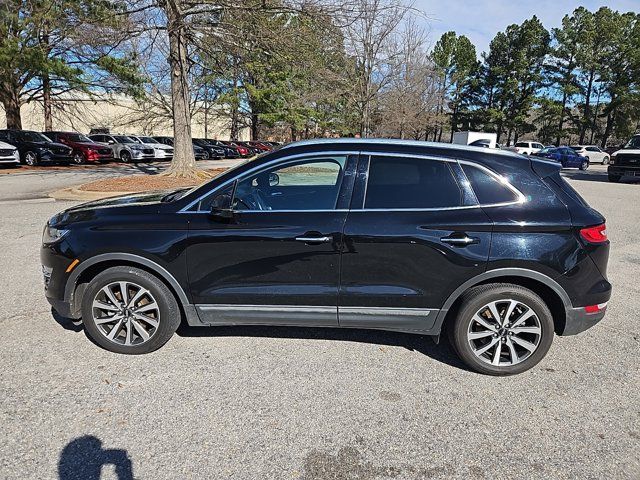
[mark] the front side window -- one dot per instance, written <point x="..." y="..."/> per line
<point x="634" y="143"/>
<point x="489" y="189"/>
<point x="300" y="185"/>
<point x="397" y="182"/>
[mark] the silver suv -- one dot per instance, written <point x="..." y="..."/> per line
<point x="126" y="148"/>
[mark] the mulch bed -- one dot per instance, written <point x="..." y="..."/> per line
<point x="144" y="183"/>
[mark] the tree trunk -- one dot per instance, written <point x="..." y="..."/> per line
<point x="184" y="162"/>
<point x="587" y="109"/>
<point x="46" y="103"/>
<point x="255" y="126"/>
<point x="10" y="97"/>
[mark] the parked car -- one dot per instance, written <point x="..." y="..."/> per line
<point x="483" y="142"/>
<point x="229" y="151"/>
<point x="626" y="161"/>
<point x="198" y="152"/>
<point x="9" y="155"/>
<point x="35" y="149"/>
<point x="243" y="152"/>
<point x="261" y="146"/>
<point x="593" y="153"/>
<point x="161" y="151"/>
<point x="252" y="150"/>
<point x="126" y="148"/>
<point x="567" y="157"/>
<point x="392" y="235"/>
<point x="527" y="148"/>
<point x="213" y="151"/>
<point x="83" y="148"/>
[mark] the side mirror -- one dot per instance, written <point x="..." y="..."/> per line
<point x="274" y="179"/>
<point x="221" y="207"/>
<point x="110" y="142"/>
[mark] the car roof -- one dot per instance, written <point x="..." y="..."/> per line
<point x="364" y="142"/>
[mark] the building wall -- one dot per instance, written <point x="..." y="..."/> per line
<point x="119" y="115"/>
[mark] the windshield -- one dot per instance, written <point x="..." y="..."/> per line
<point x="27" y="136"/>
<point x="77" y="137"/>
<point x="147" y="140"/>
<point x="633" y="143"/>
<point x="124" y="139"/>
<point x="548" y="150"/>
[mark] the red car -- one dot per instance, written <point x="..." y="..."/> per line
<point x="260" y="146"/>
<point x="84" y="149"/>
<point x="242" y="150"/>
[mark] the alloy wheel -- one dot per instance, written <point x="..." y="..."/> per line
<point x="126" y="313"/>
<point x="78" y="159"/>
<point x="31" y="159"/>
<point x="504" y="332"/>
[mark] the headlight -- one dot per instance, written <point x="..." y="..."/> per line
<point x="16" y="155"/>
<point x="52" y="235"/>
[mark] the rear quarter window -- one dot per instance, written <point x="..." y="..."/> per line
<point x="488" y="188"/>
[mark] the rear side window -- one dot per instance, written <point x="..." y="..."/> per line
<point x="522" y="144"/>
<point x="396" y="182"/>
<point x="489" y="189"/>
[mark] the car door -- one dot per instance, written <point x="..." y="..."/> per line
<point x="272" y="254"/>
<point x="595" y="154"/>
<point x="411" y="238"/>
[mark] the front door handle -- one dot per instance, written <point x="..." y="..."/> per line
<point x="460" y="240"/>
<point x="313" y="239"/>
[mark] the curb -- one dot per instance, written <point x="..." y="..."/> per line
<point x="75" y="193"/>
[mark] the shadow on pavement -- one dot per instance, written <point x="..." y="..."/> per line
<point x="67" y="323"/>
<point x="441" y="352"/>
<point x="84" y="457"/>
<point x="595" y="176"/>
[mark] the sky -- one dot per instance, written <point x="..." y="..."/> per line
<point x="481" y="20"/>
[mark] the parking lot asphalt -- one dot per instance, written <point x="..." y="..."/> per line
<point x="288" y="403"/>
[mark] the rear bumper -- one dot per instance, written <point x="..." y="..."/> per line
<point x="624" y="170"/>
<point x="578" y="320"/>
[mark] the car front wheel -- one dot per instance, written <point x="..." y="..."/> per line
<point x="78" y="158"/>
<point x="31" y="159"/>
<point x="584" y="165"/>
<point x="128" y="310"/>
<point x="501" y="329"/>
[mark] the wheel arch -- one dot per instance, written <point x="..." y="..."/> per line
<point x="88" y="269"/>
<point x="548" y="289"/>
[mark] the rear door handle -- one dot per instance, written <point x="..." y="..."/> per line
<point x="460" y="240"/>
<point x="313" y="239"/>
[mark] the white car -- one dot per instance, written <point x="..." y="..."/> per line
<point x="593" y="153"/>
<point x="161" y="151"/>
<point x="9" y="154"/>
<point x="527" y="148"/>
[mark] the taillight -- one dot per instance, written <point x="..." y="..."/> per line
<point x="597" y="234"/>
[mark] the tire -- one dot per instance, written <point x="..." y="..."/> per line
<point x="162" y="319"/>
<point x="31" y="159"/>
<point x="605" y="161"/>
<point x="614" y="178"/>
<point x="78" y="158"/>
<point x="584" y="165"/>
<point x="474" y="303"/>
<point x="125" y="157"/>
<point x="205" y="155"/>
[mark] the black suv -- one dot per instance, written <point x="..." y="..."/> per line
<point x="494" y="248"/>
<point x="35" y="148"/>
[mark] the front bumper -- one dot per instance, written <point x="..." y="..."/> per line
<point x="9" y="160"/>
<point x="624" y="170"/>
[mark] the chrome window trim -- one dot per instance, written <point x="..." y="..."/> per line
<point x="520" y="198"/>
<point x="259" y="167"/>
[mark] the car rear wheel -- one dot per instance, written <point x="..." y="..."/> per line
<point x="584" y="165"/>
<point x="78" y="158"/>
<point x="31" y="159"/>
<point x="501" y="329"/>
<point x="128" y="310"/>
